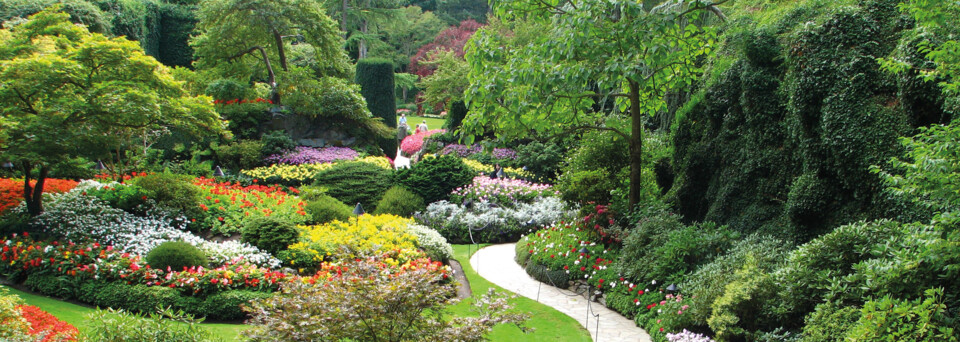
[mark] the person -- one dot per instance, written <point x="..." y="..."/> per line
<point x="422" y="126"/>
<point x="496" y="172"/>
<point x="403" y="119"/>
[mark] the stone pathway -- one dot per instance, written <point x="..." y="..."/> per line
<point x="496" y="264"/>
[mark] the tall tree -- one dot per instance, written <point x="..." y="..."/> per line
<point x="453" y="39"/>
<point x="405" y="35"/>
<point x="362" y="20"/>
<point x="66" y="92"/>
<point x="583" y="53"/>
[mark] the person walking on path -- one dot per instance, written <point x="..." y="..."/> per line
<point x="403" y="119"/>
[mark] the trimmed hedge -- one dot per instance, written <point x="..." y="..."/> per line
<point x="355" y="182"/>
<point x="375" y="77"/>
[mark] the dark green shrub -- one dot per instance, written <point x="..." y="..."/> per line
<point x="276" y="142"/>
<point x="742" y="309"/>
<point x="434" y="178"/>
<point x="830" y="322"/>
<point x="270" y="233"/>
<point x="674" y="252"/>
<point x="243" y="154"/>
<point x="458" y="111"/>
<point x="171" y="191"/>
<point x="921" y="319"/>
<point x="130" y="198"/>
<point x="400" y="201"/>
<point x="226" y="305"/>
<point x="325" y="208"/>
<point x="355" y="182"/>
<point x="135" y="298"/>
<point x="586" y="186"/>
<point x="178" y="23"/>
<point x="51" y="285"/>
<point x="227" y="89"/>
<point x="176" y="255"/>
<point x="375" y="77"/>
<point x="541" y="159"/>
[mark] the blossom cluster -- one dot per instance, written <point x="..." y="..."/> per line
<point x="303" y="173"/>
<point x="11" y="190"/>
<point x="413" y="143"/>
<point x="511" y="172"/>
<point x="47" y="326"/>
<point x="688" y="336"/>
<point x="507" y="192"/>
<point x="310" y="155"/>
<point x="228" y="205"/>
<point x="484" y="221"/>
<point x="78" y="263"/>
<point x="76" y="216"/>
<point x="369" y="235"/>
<point x="461" y="151"/>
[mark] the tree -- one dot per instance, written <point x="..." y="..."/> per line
<point x="66" y="92"/>
<point x="574" y="56"/>
<point x="446" y="84"/>
<point x="243" y="37"/>
<point x="361" y="20"/>
<point x="454" y="38"/>
<point x="367" y="301"/>
<point x="375" y="77"/>
<point x="402" y="37"/>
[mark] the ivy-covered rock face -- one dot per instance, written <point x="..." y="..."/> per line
<point x="791" y="118"/>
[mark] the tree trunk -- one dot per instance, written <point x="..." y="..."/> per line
<point x="343" y="18"/>
<point x="34" y="195"/>
<point x="362" y="49"/>
<point x="274" y="94"/>
<point x="280" y="53"/>
<point x="636" y="144"/>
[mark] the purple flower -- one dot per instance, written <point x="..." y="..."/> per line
<point x="310" y="155"/>
<point x="504" y="153"/>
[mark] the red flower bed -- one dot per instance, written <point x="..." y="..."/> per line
<point x="42" y="322"/>
<point x="228" y="205"/>
<point x="11" y="190"/>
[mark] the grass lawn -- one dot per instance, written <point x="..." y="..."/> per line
<point x="74" y="314"/>
<point x="432" y="123"/>
<point x="550" y="325"/>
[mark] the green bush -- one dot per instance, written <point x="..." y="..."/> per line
<point x="592" y="168"/>
<point x="134" y="298"/>
<point x="325" y="208"/>
<point x="665" y="250"/>
<point x="164" y="326"/>
<point x="375" y="77"/>
<point x="270" y="233"/>
<point x="355" y="182"/>
<point x="586" y="186"/>
<point x="458" y="111"/>
<point x="240" y="155"/>
<point x="434" y="178"/>
<point x="178" y="22"/>
<point x="922" y="319"/>
<point x="742" y="309"/>
<point x="176" y="255"/>
<point x="226" y="305"/>
<point x="276" y="142"/>
<point x="830" y="322"/>
<point x="51" y="285"/>
<point x="173" y="192"/>
<point x="400" y="201"/>
<point x="81" y="12"/>
<point x="129" y="198"/>
<point x="541" y="159"/>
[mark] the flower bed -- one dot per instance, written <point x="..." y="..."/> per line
<point x="310" y="155"/>
<point x="413" y="143"/>
<point x="371" y="235"/>
<point x="296" y="175"/>
<point x="489" y="222"/>
<point x="507" y="192"/>
<point x="11" y="190"/>
<point x="228" y="205"/>
<point x="46" y="325"/>
<point x="511" y="172"/>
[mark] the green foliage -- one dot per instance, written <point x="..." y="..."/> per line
<point x="80" y="11"/>
<point x="592" y="168"/>
<point x="889" y="319"/>
<point x="586" y="186"/>
<point x="664" y="250"/>
<point x="176" y="255"/>
<point x="51" y="285"/>
<point x="133" y="298"/>
<point x="400" y="201"/>
<point x="239" y="155"/>
<point x="178" y="23"/>
<point x="226" y="305"/>
<point x="171" y="191"/>
<point x="164" y="326"/>
<point x="355" y="182"/>
<point x="270" y="234"/>
<point x="128" y="197"/>
<point x="543" y="159"/>
<point x="830" y="322"/>
<point x="276" y="142"/>
<point x="375" y="77"/>
<point x="325" y="208"/>
<point x="434" y="178"/>
<point x="455" y="116"/>
<point x="741" y="310"/>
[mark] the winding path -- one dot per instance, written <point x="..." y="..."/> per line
<point x="496" y="264"/>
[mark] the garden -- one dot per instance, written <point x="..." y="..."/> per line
<point x="712" y="170"/>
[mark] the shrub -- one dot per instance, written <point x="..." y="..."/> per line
<point x="270" y="233"/>
<point x="375" y="77"/>
<point x="326" y="208"/>
<point x="365" y="236"/>
<point x="830" y="322"/>
<point x="173" y="192"/>
<point x="243" y="154"/>
<point x="434" y="178"/>
<point x="226" y="305"/>
<point x="504" y="192"/>
<point x="176" y="255"/>
<point x="889" y="319"/>
<point x="490" y="223"/>
<point x="586" y="186"/>
<point x="400" y="201"/>
<point x="228" y="206"/>
<point x="51" y="285"/>
<point x="413" y="143"/>
<point x="355" y="182"/>
<point x="130" y="198"/>
<point x="742" y="310"/>
<point x="276" y="142"/>
<point x="311" y="155"/>
<point x="165" y="326"/>
<point x="542" y="159"/>
<point x="665" y="250"/>
<point x="431" y="242"/>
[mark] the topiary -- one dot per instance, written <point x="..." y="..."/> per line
<point x="375" y="77"/>
<point x="355" y="182"/>
<point x="276" y="142"/>
<point x="171" y="191"/>
<point x="400" y="201"/>
<point x="176" y="255"/>
<point x="270" y="233"/>
<point x="434" y="178"/>
<point x="325" y="208"/>
<point x="243" y="154"/>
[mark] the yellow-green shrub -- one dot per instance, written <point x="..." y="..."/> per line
<point x="375" y="235"/>
<point x="14" y="325"/>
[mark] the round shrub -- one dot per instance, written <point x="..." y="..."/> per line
<point x="355" y="182"/>
<point x="325" y="208"/>
<point x="226" y="305"/>
<point x="176" y="255"/>
<point x="270" y="234"/>
<point x="400" y="201"/>
<point x="434" y="178"/>
<point x="276" y="142"/>
<point x="173" y="192"/>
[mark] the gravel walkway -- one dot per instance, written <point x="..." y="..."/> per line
<point x="496" y="264"/>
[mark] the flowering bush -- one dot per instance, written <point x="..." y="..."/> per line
<point x="461" y="151"/>
<point x="310" y="155"/>
<point x="507" y="192"/>
<point x="11" y="190"/>
<point x="370" y="235"/>
<point x="504" y="153"/>
<point x="478" y="167"/>
<point x="295" y="175"/>
<point x="79" y="217"/>
<point x="46" y="325"/>
<point x="79" y="263"/>
<point x="687" y="336"/>
<point x="413" y="143"/>
<point x="488" y="222"/>
<point x="431" y="242"/>
<point x="227" y="206"/>
<point x="383" y="162"/>
<point x="12" y="323"/>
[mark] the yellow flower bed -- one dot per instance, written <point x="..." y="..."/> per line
<point x="287" y="173"/>
<point x="376" y="235"/>
<point x="378" y="161"/>
<point x="487" y="169"/>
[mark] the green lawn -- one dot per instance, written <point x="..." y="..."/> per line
<point x="432" y="123"/>
<point x="550" y="325"/>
